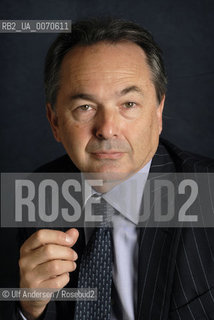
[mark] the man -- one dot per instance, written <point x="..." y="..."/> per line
<point x="105" y="88"/>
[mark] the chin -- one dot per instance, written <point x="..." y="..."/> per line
<point x="109" y="174"/>
<point x="108" y="179"/>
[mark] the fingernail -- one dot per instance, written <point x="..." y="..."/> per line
<point x="68" y="239"/>
<point x="75" y="256"/>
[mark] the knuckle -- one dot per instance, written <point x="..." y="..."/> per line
<point x="58" y="283"/>
<point x="71" y="254"/>
<point x="62" y="280"/>
<point x="21" y="263"/>
<point x="73" y="266"/>
<point x="74" y="255"/>
<point x="55" y="267"/>
<point x="48" y="251"/>
<point x="39" y="235"/>
<point x="25" y="264"/>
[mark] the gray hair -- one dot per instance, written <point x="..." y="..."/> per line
<point x="92" y="31"/>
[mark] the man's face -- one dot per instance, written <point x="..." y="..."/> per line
<point x="107" y="115"/>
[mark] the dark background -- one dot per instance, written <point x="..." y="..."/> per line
<point x="185" y="31"/>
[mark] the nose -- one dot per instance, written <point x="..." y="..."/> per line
<point x="107" y="125"/>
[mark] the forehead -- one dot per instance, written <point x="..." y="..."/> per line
<point x="106" y="63"/>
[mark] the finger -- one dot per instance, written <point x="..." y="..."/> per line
<point x="57" y="282"/>
<point x="46" y="253"/>
<point x="52" y="269"/>
<point x="45" y="236"/>
<point x="74" y="233"/>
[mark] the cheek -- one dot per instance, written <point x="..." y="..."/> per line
<point x="142" y="128"/>
<point x="142" y="132"/>
<point x="152" y="123"/>
<point x="75" y="136"/>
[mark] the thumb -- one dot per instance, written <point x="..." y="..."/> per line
<point x="74" y="234"/>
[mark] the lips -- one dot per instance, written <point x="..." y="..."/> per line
<point x="107" y="155"/>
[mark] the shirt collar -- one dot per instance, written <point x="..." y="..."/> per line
<point x="126" y="197"/>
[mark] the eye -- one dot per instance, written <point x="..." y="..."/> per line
<point x="129" y="105"/>
<point x="85" y="107"/>
<point x="84" y="113"/>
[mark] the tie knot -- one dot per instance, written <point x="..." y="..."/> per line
<point x="103" y="208"/>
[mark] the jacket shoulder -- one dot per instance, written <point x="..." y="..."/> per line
<point x="186" y="161"/>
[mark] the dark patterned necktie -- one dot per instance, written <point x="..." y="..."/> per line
<point x="96" y="270"/>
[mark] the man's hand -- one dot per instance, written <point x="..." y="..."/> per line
<point x="45" y="262"/>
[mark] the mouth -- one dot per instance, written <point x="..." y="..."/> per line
<point x="107" y="155"/>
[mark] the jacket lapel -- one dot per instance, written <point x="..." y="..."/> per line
<point x="157" y="252"/>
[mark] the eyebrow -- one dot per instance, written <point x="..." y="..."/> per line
<point x="130" y="89"/>
<point x="91" y="97"/>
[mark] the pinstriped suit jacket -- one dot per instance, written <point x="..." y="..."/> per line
<point x="176" y="266"/>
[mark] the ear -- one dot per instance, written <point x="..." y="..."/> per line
<point x="160" y="114"/>
<point x="53" y="120"/>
